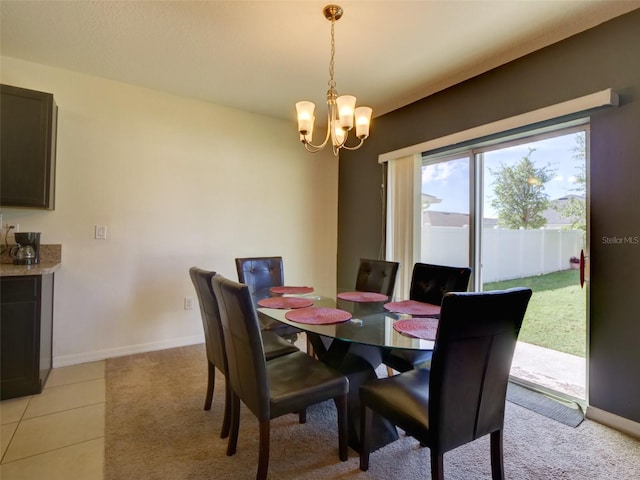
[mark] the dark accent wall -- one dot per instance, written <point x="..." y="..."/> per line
<point x="605" y="56"/>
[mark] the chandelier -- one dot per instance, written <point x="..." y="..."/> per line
<point x="342" y="113"/>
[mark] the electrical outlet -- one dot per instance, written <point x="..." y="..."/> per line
<point x="188" y="303"/>
<point x="10" y="228"/>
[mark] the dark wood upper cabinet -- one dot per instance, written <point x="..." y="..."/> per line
<point x="28" y="148"/>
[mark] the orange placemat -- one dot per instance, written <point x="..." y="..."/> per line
<point x="413" y="307"/>
<point x="362" y="296"/>
<point x="285" y="302"/>
<point x="318" y="315"/>
<point x="291" y="290"/>
<point x="424" y="328"/>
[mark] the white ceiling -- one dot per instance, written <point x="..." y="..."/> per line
<point x="263" y="56"/>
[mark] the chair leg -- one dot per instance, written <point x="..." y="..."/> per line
<point x="226" y="419"/>
<point x="235" y="424"/>
<point x="497" y="463"/>
<point x="365" y="443"/>
<point x="263" y="456"/>
<point x="437" y="466"/>
<point x="302" y="415"/>
<point x="343" y="440"/>
<point x="211" y="382"/>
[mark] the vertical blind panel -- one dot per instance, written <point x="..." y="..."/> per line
<point x="403" y="218"/>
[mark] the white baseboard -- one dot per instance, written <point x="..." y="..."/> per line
<point x="66" y="360"/>
<point x="614" y="421"/>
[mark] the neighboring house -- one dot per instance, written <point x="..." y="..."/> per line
<point x="445" y="219"/>
<point x="554" y="218"/>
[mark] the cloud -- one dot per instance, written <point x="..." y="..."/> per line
<point x="438" y="172"/>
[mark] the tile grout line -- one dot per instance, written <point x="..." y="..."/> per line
<point x="23" y="419"/>
<point x="15" y="430"/>
<point x="2" y="462"/>
<point x="63" y="410"/>
<point x="52" y="387"/>
<point x="52" y="450"/>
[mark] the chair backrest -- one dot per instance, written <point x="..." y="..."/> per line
<point x="210" y="312"/>
<point x="260" y="273"/>
<point x="470" y="366"/>
<point x="377" y="276"/>
<point x="429" y="282"/>
<point x="245" y="352"/>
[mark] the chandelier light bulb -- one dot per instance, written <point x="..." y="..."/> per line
<point x="305" y="117"/>
<point x="340" y="135"/>
<point x="363" y="120"/>
<point x="346" y="106"/>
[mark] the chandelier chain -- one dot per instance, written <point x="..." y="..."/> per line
<point x="332" y="82"/>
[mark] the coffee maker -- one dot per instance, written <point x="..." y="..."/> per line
<point x="26" y="251"/>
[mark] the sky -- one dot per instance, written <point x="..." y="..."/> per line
<point x="449" y="181"/>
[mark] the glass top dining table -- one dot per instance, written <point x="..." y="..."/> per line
<point x="370" y="323"/>
<point x="353" y="347"/>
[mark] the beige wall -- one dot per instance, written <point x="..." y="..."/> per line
<point x="178" y="182"/>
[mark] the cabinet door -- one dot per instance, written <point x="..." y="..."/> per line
<point x="28" y="147"/>
<point x="19" y="336"/>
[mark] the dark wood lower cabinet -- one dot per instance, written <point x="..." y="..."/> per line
<point x="26" y="325"/>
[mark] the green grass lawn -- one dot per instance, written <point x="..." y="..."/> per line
<point x="556" y="315"/>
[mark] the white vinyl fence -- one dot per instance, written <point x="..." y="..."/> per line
<point x="506" y="254"/>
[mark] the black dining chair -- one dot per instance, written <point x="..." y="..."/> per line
<point x="270" y="389"/>
<point x="377" y="276"/>
<point x="462" y="396"/>
<point x="260" y="274"/>
<point x="429" y="284"/>
<point x="274" y="345"/>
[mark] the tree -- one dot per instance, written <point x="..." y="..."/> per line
<point x="519" y="193"/>
<point x="575" y="208"/>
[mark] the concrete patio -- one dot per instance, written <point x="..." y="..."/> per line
<point x="558" y="371"/>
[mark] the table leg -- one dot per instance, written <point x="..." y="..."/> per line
<point x="357" y="366"/>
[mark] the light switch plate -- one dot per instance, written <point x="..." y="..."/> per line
<point x="101" y="232"/>
<point x="188" y="303"/>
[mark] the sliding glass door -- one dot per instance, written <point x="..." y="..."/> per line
<point x="515" y="211"/>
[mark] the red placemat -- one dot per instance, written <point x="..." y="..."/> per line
<point x="424" y="328"/>
<point x="412" y="307"/>
<point x="363" y="296"/>
<point x="317" y="315"/>
<point x="285" y="302"/>
<point x="291" y="290"/>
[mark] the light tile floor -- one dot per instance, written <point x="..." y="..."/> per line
<point x="58" y="434"/>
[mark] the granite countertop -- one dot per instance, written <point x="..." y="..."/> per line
<point x="50" y="262"/>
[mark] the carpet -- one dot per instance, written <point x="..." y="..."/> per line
<point x="156" y="428"/>
<point x="566" y="412"/>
